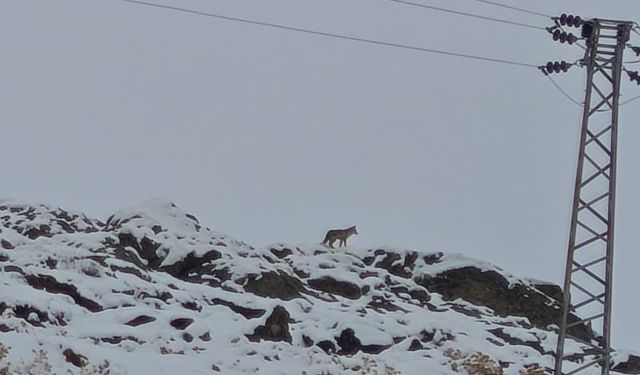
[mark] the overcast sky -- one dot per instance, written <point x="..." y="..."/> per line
<point x="274" y="136"/>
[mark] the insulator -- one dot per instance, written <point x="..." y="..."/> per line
<point x="556" y="34"/>
<point x="563" y="19"/>
<point x="549" y="67"/>
<point x="636" y="50"/>
<point x="571" y="39"/>
<point x="634" y="77"/>
<point x="570" y="20"/>
<point x="577" y="21"/>
<point x="555" y="67"/>
<point x="563" y="37"/>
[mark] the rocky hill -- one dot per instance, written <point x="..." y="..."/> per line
<point x="150" y="290"/>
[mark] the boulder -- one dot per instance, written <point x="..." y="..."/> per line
<point x="276" y="327"/>
<point x="275" y="285"/>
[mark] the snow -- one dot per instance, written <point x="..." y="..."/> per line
<point x="88" y="262"/>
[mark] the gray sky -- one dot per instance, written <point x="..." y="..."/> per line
<point x="273" y="136"/>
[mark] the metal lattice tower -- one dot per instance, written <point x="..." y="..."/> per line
<point x="589" y="271"/>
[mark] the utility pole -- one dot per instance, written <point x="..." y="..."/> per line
<point x="586" y="309"/>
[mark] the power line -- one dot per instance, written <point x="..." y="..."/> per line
<point x="563" y="91"/>
<point x="630" y="100"/>
<point x="329" y="35"/>
<point x="466" y="14"/>
<point x="514" y="8"/>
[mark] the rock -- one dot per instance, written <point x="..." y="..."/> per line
<point x="342" y="288"/>
<point x="142" y="319"/>
<point x="410" y="259"/>
<point x="244" y="311"/>
<point x="307" y="341"/>
<point x="193" y="264"/>
<point x="493" y="290"/>
<point x="551" y="290"/>
<point x="281" y="253"/>
<point x="181" y="323"/>
<point x="388" y="261"/>
<point x="51" y="263"/>
<point x="630" y="366"/>
<point x="348" y="342"/>
<point x="146" y="248"/>
<point x="5" y="328"/>
<point x="191" y="305"/>
<point x="433" y="258"/>
<point x="118" y="339"/>
<point x="51" y="285"/>
<point x="391" y="263"/>
<point x="6" y="245"/>
<point x="374" y="348"/>
<point x="276" y="328"/>
<point x="415" y="345"/>
<point x="26" y="311"/>
<point x="42" y="231"/>
<point x="328" y="346"/>
<point x="381" y="304"/>
<point x="275" y="285"/>
<point x="499" y="332"/>
<point x="34" y="221"/>
<point x="74" y="358"/>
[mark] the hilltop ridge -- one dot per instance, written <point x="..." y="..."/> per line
<point x="151" y="290"/>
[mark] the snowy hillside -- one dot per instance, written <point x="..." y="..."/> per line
<point x="152" y="291"/>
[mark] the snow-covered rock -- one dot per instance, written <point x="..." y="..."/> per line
<point x="153" y="291"/>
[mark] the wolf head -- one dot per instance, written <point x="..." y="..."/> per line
<point x="353" y="230"/>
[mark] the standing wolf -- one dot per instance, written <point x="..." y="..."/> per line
<point x="339" y="234"/>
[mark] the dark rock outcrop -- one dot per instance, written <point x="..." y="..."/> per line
<point x="244" y="311"/>
<point x="51" y="285"/>
<point x="493" y="290"/>
<point x="348" y="342"/>
<point x="4" y="244"/>
<point x="630" y="366"/>
<point x="146" y="248"/>
<point x="328" y="346"/>
<point x="276" y="328"/>
<point x="499" y="332"/>
<point x="181" y="323"/>
<point x="330" y="285"/>
<point x="281" y="253"/>
<point x="192" y="264"/>
<point x="140" y="320"/>
<point x="74" y="358"/>
<point x="275" y="285"/>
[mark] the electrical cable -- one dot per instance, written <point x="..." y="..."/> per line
<point x="563" y="91"/>
<point x="514" y="8"/>
<point x="630" y="100"/>
<point x="351" y="38"/>
<point x="406" y="2"/>
<point x="330" y="35"/>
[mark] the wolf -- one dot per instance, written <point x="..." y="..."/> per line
<point x="339" y="234"/>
